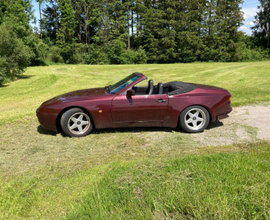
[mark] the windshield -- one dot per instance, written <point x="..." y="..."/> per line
<point x="123" y="83"/>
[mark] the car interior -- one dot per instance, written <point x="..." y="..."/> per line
<point x="154" y="90"/>
<point x="171" y="88"/>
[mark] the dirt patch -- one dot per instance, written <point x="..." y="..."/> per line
<point x="256" y="116"/>
<point x="245" y="124"/>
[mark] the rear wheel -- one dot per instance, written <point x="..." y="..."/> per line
<point x="76" y="123"/>
<point x="194" y="119"/>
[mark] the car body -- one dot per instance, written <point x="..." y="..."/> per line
<point x="125" y="105"/>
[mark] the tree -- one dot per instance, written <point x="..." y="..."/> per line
<point x="51" y="18"/>
<point x="261" y="30"/>
<point x="167" y="30"/>
<point x="65" y="35"/>
<point x="112" y="22"/>
<point x="15" y="56"/>
<point x="230" y="19"/>
<point x="191" y="33"/>
<point x="18" y="13"/>
<point x="40" y="16"/>
<point x="158" y="30"/>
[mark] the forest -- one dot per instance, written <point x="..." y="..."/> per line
<point x="128" y="32"/>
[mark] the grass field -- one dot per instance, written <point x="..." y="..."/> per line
<point x="212" y="186"/>
<point x="208" y="183"/>
<point x="247" y="82"/>
<point x="129" y="173"/>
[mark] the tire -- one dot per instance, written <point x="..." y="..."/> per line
<point x="76" y="123"/>
<point x="194" y="119"/>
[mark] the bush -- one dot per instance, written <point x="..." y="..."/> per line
<point x="95" y="55"/>
<point x="55" y="55"/>
<point x="255" y="54"/>
<point x="136" y="56"/>
<point x="75" y="58"/>
<point x="186" y="55"/>
<point x="117" y="53"/>
<point x="42" y="50"/>
<point x="3" y="70"/>
<point x="15" y="56"/>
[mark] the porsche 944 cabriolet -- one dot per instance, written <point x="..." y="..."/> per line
<point x="125" y="104"/>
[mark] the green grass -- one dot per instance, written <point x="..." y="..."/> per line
<point x="45" y="175"/>
<point x="213" y="186"/>
<point x="247" y="82"/>
<point x="208" y="183"/>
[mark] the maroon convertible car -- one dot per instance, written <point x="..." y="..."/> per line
<point x="124" y="104"/>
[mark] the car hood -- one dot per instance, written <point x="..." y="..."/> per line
<point x="79" y="94"/>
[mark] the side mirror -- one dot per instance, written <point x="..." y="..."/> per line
<point x="130" y="93"/>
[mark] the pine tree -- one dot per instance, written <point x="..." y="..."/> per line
<point x="112" y="23"/>
<point x="220" y="29"/>
<point x="169" y="30"/>
<point x="78" y="9"/>
<point x="231" y="19"/>
<point x="40" y="16"/>
<point x="65" y="35"/>
<point x="90" y="15"/>
<point x="261" y="30"/>
<point x="158" y="33"/>
<point x="51" y="18"/>
<point x="189" y="29"/>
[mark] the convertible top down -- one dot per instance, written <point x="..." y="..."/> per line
<point x="125" y="104"/>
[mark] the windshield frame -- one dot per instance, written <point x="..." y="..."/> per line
<point x="123" y="83"/>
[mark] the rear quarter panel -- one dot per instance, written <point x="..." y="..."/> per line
<point x="215" y="101"/>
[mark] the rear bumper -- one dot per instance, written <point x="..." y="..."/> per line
<point x="225" y="115"/>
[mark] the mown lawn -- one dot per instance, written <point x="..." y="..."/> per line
<point x="128" y="173"/>
<point x="201" y="186"/>
<point x="208" y="183"/>
<point x="247" y="82"/>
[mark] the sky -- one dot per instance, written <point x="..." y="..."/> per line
<point x="249" y="8"/>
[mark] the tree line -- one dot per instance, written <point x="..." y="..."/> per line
<point x="129" y="31"/>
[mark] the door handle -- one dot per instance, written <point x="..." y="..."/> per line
<point x="161" y="100"/>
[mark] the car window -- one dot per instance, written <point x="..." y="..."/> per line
<point x="122" y="84"/>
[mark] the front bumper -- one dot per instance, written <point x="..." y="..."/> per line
<point x="47" y="120"/>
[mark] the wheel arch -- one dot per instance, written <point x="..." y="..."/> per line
<point x="58" y="119"/>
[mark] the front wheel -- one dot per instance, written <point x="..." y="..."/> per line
<point x="194" y="119"/>
<point x="76" y="123"/>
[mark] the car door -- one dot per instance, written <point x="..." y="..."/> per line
<point x="139" y="110"/>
